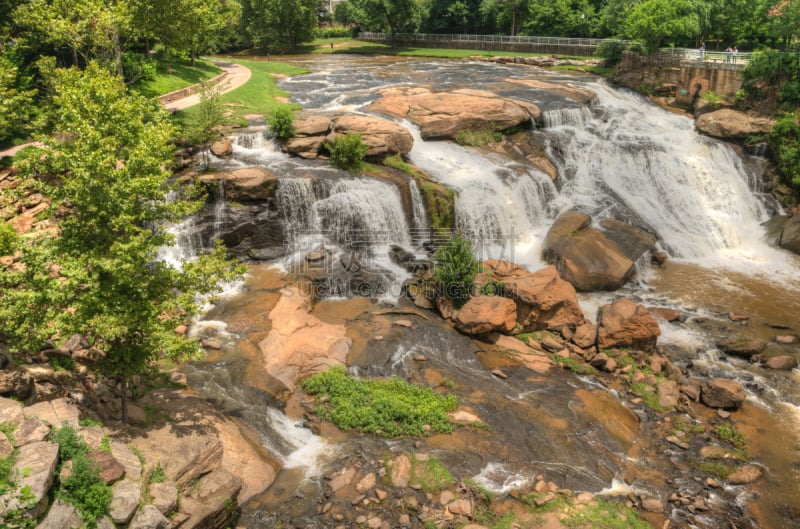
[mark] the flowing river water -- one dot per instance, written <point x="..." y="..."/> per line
<point x="621" y="156"/>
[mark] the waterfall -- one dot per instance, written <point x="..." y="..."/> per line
<point x="295" y="197"/>
<point x="255" y="140"/>
<point x="634" y="158"/>
<point x="219" y="210"/>
<point x="361" y="212"/>
<point x="559" y="117"/>
<point x="420" y="214"/>
<point x="501" y="209"/>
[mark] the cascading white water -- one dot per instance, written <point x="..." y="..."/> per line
<point x="361" y="211"/>
<point x="636" y="158"/>
<point x="501" y="209"/>
<point x="420" y="215"/>
<point x="295" y="197"/>
<point x="574" y="116"/>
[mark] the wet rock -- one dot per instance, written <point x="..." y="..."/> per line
<point x="584" y="256"/>
<point x="741" y="346"/>
<point x="243" y="185"/>
<point x="790" y="235"/>
<point x="652" y="505"/>
<point x="16" y="383"/>
<point x="668" y="393"/>
<point x="632" y="240"/>
<point x="366" y="483"/>
<point x="585" y="335"/>
<point x="781" y="362"/>
<point x="787" y="339"/>
<point x="484" y="314"/>
<point x="691" y="391"/>
<point x="732" y="124"/>
<point x="624" y="323"/>
<point x="300" y="344"/>
<point x="722" y="393"/>
<point x="222" y="147"/>
<point x="442" y="115"/>
<point x="716" y="452"/>
<point x="745" y="474"/>
<point x="544" y="301"/>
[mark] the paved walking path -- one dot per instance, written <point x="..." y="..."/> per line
<point x="236" y="76"/>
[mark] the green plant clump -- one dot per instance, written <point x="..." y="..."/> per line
<point x="574" y="366"/>
<point x="605" y="515"/>
<point x="9" y="240"/>
<point x="347" y="151"/>
<point x="387" y="407"/>
<point x="86" y="490"/>
<point x="478" y="138"/>
<point x="728" y="433"/>
<point x="281" y="123"/>
<point x="456" y="269"/>
<point x="439" y="200"/>
<point x="430" y="474"/>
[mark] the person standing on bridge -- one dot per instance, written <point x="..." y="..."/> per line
<point x="735" y="53"/>
<point x="728" y="54"/>
<point x="702" y="50"/>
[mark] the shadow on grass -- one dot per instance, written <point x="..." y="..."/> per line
<point x="183" y="70"/>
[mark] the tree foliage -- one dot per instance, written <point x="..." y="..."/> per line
<point x="278" y="25"/>
<point x="653" y="21"/>
<point x="456" y="269"/>
<point x="103" y="171"/>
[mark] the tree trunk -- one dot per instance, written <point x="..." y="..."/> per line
<point x="75" y="57"/>
<point x="118" y="57"/>
<point x="191" y="54"/>
<point x="125" y="399"/>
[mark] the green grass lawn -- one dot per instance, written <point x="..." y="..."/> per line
<point x="259" y="95"/>
<point x="176" y="74"/>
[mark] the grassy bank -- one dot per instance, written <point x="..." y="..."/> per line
<point x="176" y="74"/>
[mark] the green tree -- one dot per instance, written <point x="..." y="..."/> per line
<point x="102" y="170"/>
<point x="395" y="16"/>
<point x="565" y="18"/>
<point x="279" y="24"/>
<point x="15" y="100"/>
<point x="456" y="269"/>
<point x="653" y="21"/>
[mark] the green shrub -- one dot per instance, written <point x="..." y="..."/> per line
<point x="62" y="363"/>
<point x="728" y="433"/>
<point x="70" y="443"/>
<point x="157" y="475"/>
<point x="138" y="68"/>
<point x="86" y="490"/>
<point x="478" y="138"/>
<point x="784" y="145"/>
<point x="347" y="151"/>
<point x="281" y="123"/>
<point x="430" y="474"/>
<point x="610" y="51"/>
<point x="456" y="268"/>
<point x="9" y="240"/>
<point x="387" y="407"/>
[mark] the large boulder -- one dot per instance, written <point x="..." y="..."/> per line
<point x="722" y="393"/>
<point x="624" y="323"/>
<point x="442" y="115"/>
<point x="184" y="457"/>
<point x="300" y="344"/>
<point x="381" y="135"/>
<point x="728" y="124"/>
<point x="584" y="97"/>
<point x="484" y="314"/>
<point x="212" y="501"/>
<point x="544" y="300"/>
<point x="34" y="469"/>
<point x="633" y="241"/>
<point x="584" y="256"/>
<point x="790" y="235"/>
<point x="243" y="185"/>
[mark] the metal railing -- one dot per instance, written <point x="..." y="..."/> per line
<point x="679" y="55"/>
<point x="504" y="39"/>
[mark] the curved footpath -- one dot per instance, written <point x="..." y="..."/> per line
<point x="235" y="76"/>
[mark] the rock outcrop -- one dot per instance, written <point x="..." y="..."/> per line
<point x="722" y="393"/>
<point x="544" y="300"/>
<point x="732" y="124"/>
<point x="300" y="344"/>
<point x="790" y="235"/>
<point x="243" y="185"/>
<point x="485" y="314"/>
<point x="624" y="323"/>
<point x="584" y="256"/>
<point x="442" y="115"/>
<point x="313" y="131"/>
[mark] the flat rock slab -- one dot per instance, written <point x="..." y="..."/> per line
<point x="34" y="467"/>
<point x="183" y="457"/>
<point x="149" y="518"/>
<point x="125" y="500"/>
<point x="61" y="515"/>
<point x="55" y="412"/>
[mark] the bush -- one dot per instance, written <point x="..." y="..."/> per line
<point x="331" y="33"/>
<point x="387" y="407"/>
<point x="138" y="68"/>
<point x="9" y="240"/>
<point x="773" y="75"/>
<point x="281" y="123"/>
<point x="456" y="269"/>
<point x="86" y="490"/>
<point x="610" y="51"/>
<point x="784" y="145"/>
<point x="347" y="152"/>
<point x="69" y="442"/>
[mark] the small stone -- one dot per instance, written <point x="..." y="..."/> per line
<point x="446" y="497"/>
<point x="381" y="494"/>
<point x="403" y="323"/>
<point x="499" y="373"/>
<point x="652" y="505"/>
<point x="420" y="358"/>
<point x="737" y="317"/>
<point x="366" y="483"/>
<point x="745" y="474"/>
<point x="712" y="483"/>
<point x="378" y="338"/>
<point x="584" y="497"/>
<point x="361" y="519"/>
<point x="723" y="414"/>
<point x="677" y="442"/>
<point x="404" y="520"/>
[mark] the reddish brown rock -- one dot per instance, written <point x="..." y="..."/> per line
<point x="745" y="474"/>
<point x="110" y="469"/>
<point x="741" y="346"/>
<point x="623" y="323"/>
<point x="442" y="115"/>
<point x="544" y="301"/>
<point x="585" y="335"/>
<point x="722" y="393"/>
<point x="484" y="314"/>
<point x="584" y="256"/>
<point x="781" y="362"/>
<point x="222" y="147"/>
<point x="733" y="124"/>
<point x="243" y="185"/>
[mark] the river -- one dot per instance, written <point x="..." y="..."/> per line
<point x="622" y="156"/>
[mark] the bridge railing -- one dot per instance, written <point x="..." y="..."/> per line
<point x="466" y="37"/>
<point x="680" y="55"/>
